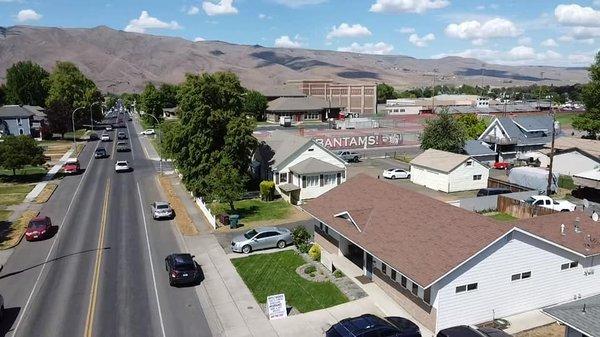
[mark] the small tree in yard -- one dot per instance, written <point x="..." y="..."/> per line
<point x="443" y="133"/>
<point x="267" y="190"/>
<point x="301" y="239"/>
<point x="16" y="152"/>
<point x="226" y="183"/>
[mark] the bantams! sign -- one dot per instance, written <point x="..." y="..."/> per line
<point x="354" y="142"/>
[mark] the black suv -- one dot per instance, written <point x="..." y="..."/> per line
<point x="182" y="269"/>
<point x="373" y="326"/>
<point x="100" y="153"/>
<point x="484" y="192"/>
<point x="121" y="135"/>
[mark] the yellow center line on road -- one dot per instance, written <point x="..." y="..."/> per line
<point x="89" y="321"/>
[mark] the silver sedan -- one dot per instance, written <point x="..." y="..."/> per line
<point x="261" y="238"/>
<point x="161" y="209"/>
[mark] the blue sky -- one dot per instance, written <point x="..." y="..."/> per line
<point x="548" y="32"/>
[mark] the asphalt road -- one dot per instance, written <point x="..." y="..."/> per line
<point x="102" y="273"/>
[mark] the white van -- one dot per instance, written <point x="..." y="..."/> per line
<point x="285" y="121"/>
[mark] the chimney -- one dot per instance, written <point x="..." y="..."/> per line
<point x="577" y="228"/>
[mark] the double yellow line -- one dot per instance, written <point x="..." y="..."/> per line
<point x="89" y="321"/>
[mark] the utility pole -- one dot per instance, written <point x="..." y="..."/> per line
<point x="550" y="176"/>
<point x="540" y="93"/>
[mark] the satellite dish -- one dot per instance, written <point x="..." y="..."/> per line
<point x="595" y="216"/>
<point x="586" y="203"/>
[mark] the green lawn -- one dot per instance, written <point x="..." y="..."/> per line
<point x="78" y="134"/>
<point x="26" y="175"/>
<point x="4" y="215"/>
<point x="255" y="209"/>
<point x="502" y="217"/>
<point x="13" y="194"/>
<point x="565" y="118"/>
<point x="270" y="274"/>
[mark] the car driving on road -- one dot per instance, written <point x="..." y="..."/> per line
<point x="123" y="147"/>
<point x="38" y="228"/>
<point x="261" y="238"/>
<point x="161" y="210"/>
<point x="122" y="166"/>
<point x="121" y="135"/>
<point x="100" y="153"/>
<point x="105" y="137"/>
<point x="182" y="269"/>
<point x="396" y="173"/>
<point x="71" y="166"/>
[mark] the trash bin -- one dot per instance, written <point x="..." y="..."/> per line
<point x="234" y="221"/>
<point x="224" y="219"/>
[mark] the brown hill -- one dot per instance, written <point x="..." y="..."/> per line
<point x="119" y="61"/>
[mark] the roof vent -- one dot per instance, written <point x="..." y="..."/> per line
<point x="583" y="310"/>
<point x="562" y="229"/>
<point x="577" y="228"/>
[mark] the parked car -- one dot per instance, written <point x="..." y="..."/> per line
<point x="100" y="153"/>
<point x="547" y="202"/>
<point x="182" y="269"/>
<point x="93" y="136"/>
<point x="71" y="166"/>
<point x="467" y="331"/>
<point x="501" y="165"/>
<point x="373" y="326"/>
<point x="148" y="132"/>
<point x="349" y="156"/>
<point x="121" y="135"/>
<point x="122" y="166"/>
<point x="484" y="192"/>
<point x="161" y="209"/>
<point x="261" y="238"/>
<point x="105" y="137"/>
<point x="38" y="228"/>
<point x="123" y="147"/>
<point x="396" y="173"/>
<point x="108" y="128"/>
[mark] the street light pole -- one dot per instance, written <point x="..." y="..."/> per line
<point x="73" y="121"/>
<point x="550" y="176"/>
<point x="91" y="115"/>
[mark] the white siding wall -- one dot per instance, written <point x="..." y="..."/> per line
<point x="498" y="295"/>
<point x="431" y="179"/>
<point x="461" y="179"/>
<point x="573" y="162"/>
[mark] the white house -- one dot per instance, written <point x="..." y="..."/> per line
<point x="447" y="266"/>
<point x="300" y="167"/>
<point x="448" y="172"/>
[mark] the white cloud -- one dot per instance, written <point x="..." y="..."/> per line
<point x="222" y="7"/>
<point x="407" y="6"/>
<point x="379" y="48"/>
<point x="346" y="30"/>
<point x="145" y="22"/>
<point x="549" y="43"/>
<point x="28" y="15"/>
<point x="264" y="16"/>
<point x="193" y="10"/>
<point x="576" y="15"/>
<point x="581" y="59"/>
<point x="473" y="30"/>
<point x="478" y="42"/>
<point x="199" y="39"/>
<point x="582" y="33"/>
<point x="299" y="3"/>
<point x="406" y="30"/>
<point x="525" y="40"/>
<point x="421" y="41"/>
<point x="480" y="7"/>
<point x="520" y="55"/>
<point x="286" y="42"/>
<point x="596" y="3"/>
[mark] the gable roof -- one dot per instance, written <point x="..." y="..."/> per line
<point x="439" y="160"/>
<point x="517" y="128"/>
<point x="573" y="314"/>
<point x="308" y="103"/>
<point x="314" y="165"/>
<point x="282" y="91"/>
<point x="283" y="144"/>
<point x="14" y="111"/>
<point x="421" y="237"/>
<point x="588" y="145"/>
<point x="476" y="148"/>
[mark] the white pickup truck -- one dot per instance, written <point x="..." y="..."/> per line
<point x="547" y="202"/>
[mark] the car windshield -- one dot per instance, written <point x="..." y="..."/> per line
<point x="100" y="151"/>
<point x="250" y="234"/>
<point x="183" y="263"/>
<point x="37" y="224"/>
<point x="530" y="200"/>
<point x="121" y="164"/>
<point x="162" y="206"/>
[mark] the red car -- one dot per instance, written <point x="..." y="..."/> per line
<point x="38" y="228"/>
<point x="71" y="166"/>
<point x="501" y="165"/>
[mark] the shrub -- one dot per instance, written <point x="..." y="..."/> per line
<point x="566" y="182"/>
<point x="301" y="239"/>
<point x="310" y="270"/>
<point x="338" y="273"/>
<point x="267" y="190"/>
<point x="315" y="252"/>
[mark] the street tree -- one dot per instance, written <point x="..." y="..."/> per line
<point x="2" y="94"/>
<point x="168" y="95"/>
<point x="255" y="105"/>
<point x="110" y="100"/>
<point x="151" y="103"/>
<point x="226" y="183"/>
<point x="472" y="125"/>
<point x="385" y="92"/>
<point x="590" y="95"/>
<point x="69" y="89"/>
<point x="16" y="152"/>
<point x="443" y="133"/>
<point x="26" y="83"/>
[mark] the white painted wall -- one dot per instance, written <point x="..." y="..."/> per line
<point x="460" y="179"/>
<point x="404" y="110"/>
<point x="573" y="162"/>
<point x="498" y="296"/>
<point x="429" y="178"/>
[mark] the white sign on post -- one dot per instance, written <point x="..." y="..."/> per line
<point x="276" y="306"/>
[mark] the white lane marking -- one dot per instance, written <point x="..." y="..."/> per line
<point x="130" y="142"/>
<point x="61" y="230"/>
<point x="162" y="324"/>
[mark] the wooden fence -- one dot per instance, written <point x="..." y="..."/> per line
<point x="520" y="209"/>
<point x="497" y="183"/>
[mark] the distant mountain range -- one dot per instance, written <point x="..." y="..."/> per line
<point x="119" y="61"/>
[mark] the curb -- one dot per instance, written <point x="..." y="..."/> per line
<point x="18" y="241"/>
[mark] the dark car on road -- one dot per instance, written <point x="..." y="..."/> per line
<point x="100" y="153"/>
<point x="123" y="147"/>
<point x="467" y="331"/>
<point x="484" y="192"/>
<point x="182" y="269"/>
<point x="373" y="326"/>
<point x="38" y="228"/>
<point x="121" y="135"/>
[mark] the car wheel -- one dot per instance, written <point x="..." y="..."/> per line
<point x="281" y="244"/>
<point x="356" y="159"/>
<point x="246" y="249"/>
<point x="564" y="210"/>
<point x="171" y="283"/>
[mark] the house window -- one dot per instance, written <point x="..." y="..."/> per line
<point x="393" y="275"/>
<point x="19" y="121"/>
<point x="427" y="296"/>
<point x="569" y="265"/>
<point x="383" y="268"/>
<point x="415" y="289"/>
<point x="312" y="181"/>
<point x="403" y="281"/>
<point x="329" y="179"/>
<point x="283" y="177"/>
<point x="477" y="177"/>
<point x="466" y="288"/>
<point x="521" y="276"/>
<point x="469" y="163"/>
<point x="312" y="115"/>
<point x="21" y="132"/>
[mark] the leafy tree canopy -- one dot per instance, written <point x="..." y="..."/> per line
<point x="590" y="95"/>
<point x="385" y="92"/>
<point x="255" y="105"/>
<point x="151" y="103"/>
<point x="16" y="152"/>
<point x="472" y="125"/>
<point x="168" y="95"/>
<point x="443" y="133"/>
<point x="26" y="83"/>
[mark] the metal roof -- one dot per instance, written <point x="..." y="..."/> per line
<point x="14" y="111"/>
<point x="582" y="315"/>
<point x="314" y="165"/>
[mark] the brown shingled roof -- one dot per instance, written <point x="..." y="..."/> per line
<point x="421" y="237"/>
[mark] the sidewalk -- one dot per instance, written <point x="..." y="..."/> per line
<point x="39" y="187"/>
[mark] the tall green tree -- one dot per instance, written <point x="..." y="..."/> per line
<point x="16" y="152"/>
<point x="255" y="105"/>
<point x="229" y="184"/>
<point x="443" y="133"/>
<point x="168" y="95"/>
<point x="472" y="125"/>
<point x="26" y="83"/>
<point x="69" y="89"/>
<point x="110" y="100"/>
<point x="385" y="92"/>
<point x="590" y="95"/>
<point x="2" y="94"/>
<point x="151" y="103"/>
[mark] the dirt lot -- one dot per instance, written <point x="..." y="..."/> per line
<point x="182" y="218"/>
<point x="551" y="330"/>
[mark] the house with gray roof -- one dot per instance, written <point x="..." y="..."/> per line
<point x="480" y="151"/>
<point x="15" y="120"/>
<point x="509" y="137"/>
<point x="302" y="109"/>
<point x="581" y="317"/>
<point x="300" y="168"/>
